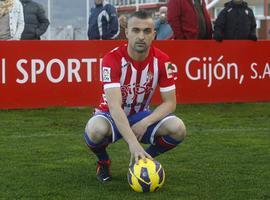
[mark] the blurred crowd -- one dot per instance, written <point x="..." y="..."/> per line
<point x="179" y="20"/>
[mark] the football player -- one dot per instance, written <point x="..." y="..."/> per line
<point x="131" y="74"/>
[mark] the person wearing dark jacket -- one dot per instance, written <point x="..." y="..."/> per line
<point x="36" y="22"/>
<point x="235" y="22"/>
<point x="103" y="22"/>
<point x="189" y="19"/>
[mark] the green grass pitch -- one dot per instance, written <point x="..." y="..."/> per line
<point x="226" y="155"/>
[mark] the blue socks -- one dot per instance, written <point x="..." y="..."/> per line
<point x="162" y="144"/>
<point x="98" y="149"/>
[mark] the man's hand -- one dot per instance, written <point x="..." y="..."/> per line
<point x="218" y="37"/>
<point x="139" y="129"/>
<point x="253" y="37"/>
<point x="137" y="152"/>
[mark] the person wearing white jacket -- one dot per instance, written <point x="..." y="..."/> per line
<point x="11" y="20"/>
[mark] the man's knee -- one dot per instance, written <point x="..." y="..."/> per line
<point x="176" y="128"/>
<point x="97" y="128"/>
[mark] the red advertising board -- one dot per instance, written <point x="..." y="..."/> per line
<point x="67" y="73"/>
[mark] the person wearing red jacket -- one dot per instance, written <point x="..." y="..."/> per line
<point x="189" y="19"/>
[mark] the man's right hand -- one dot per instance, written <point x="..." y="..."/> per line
<point x="137" y="152"/>
<point x="218" y="38"/>
<point x="114" y="100"/>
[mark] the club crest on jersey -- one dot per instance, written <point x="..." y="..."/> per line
<point x="106" y="74"/>
<point x="149" y="78"/>
<point x="171" y="70"/>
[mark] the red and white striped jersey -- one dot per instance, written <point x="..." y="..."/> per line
<point x="137" y="80"/>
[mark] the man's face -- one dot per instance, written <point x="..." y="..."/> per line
<point x="163" y="14"/>
<point x="140" y="34"/>
<point x="98" y="2"/>
<point x="123" y="21"/>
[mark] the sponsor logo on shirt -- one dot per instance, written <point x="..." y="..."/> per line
<point x="106" y="74"/>
<point x="134" y="90"/>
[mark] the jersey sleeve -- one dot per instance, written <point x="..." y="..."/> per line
<point x="110" y="72"/>
<point x="167" y="76"/>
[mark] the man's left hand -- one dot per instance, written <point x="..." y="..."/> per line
<point x="253" y="37"/>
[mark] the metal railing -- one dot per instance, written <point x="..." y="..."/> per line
<point x="134" y="2"/>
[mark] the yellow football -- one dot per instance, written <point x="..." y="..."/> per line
<point x="146" y="177"/>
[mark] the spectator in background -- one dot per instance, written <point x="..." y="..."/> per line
<point x="189" y="19"/>
<point x="123" y="25"/>
<point x="36" y="22"/>
<point x="162" y="27"/>
<point x="11" y="20"/>
<point x="103" y="22"/>
<point x="235" y="22"/>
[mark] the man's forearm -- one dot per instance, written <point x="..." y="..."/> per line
<point x="160" y="112"/>
<point x="122" y="124"/>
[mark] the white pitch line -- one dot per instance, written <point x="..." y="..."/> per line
<point x="193" y="130"/>
<point x="230" y="130"/>
<point x="40" y="135"/>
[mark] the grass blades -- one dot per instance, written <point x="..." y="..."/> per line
<point x="225" y="156"/>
